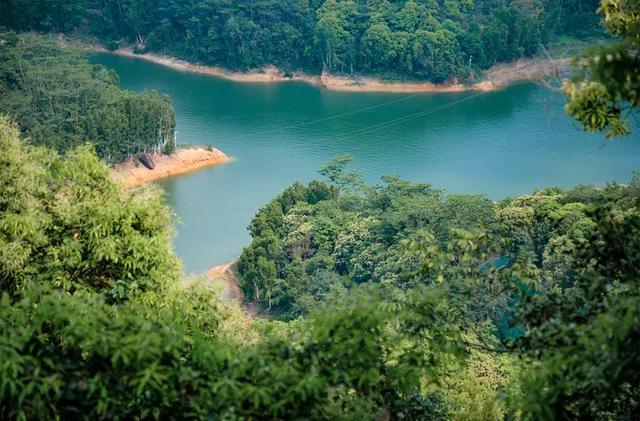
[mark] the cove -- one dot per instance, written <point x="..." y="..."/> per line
<point x="500" y="144"/>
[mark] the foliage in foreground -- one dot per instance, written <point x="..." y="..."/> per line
<point x="543" y="277"/>
<point x="61" y="101"/>
<point x="75" y="356"/>
<point x="607" y="96"/>
<point x="64" y="223"/>
<point x="585" y="334"/>
<point x="95" y="323"/>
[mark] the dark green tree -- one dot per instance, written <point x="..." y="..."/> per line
<point x="607" y="96"/>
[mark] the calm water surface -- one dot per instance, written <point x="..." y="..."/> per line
<point x="500" y="144"/>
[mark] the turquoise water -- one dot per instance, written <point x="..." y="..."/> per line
<point x="501" y="144"/>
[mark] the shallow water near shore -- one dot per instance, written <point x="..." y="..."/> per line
<point x="500" y="144"/>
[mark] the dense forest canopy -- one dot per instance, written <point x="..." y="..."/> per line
<point x="402" y="302"/>
<point x="61" y="101"/>
<point x="95" y="322"/>
<point x="312" y="240"/>
<point x="435" y="40"/>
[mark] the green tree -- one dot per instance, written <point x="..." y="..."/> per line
<point x="61" y="101"/>
<point x="333" y="35"/>
<point x="65" y="223"/>
<point x="436" y="54"/>
<point x="583" y="332"/>
<point x="95" y="323"/>
<point x="608" y="95"/>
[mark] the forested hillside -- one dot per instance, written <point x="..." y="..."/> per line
<point x="434" y="40"/>
<point x="395" y="302"/>
<point x="95" y="323"/>
<point x="314" y="240"/>
<point x="61" y="101"/>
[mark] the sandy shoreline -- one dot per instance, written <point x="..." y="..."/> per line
<point x="497" y="77"/>
<point x="184" y="160"/>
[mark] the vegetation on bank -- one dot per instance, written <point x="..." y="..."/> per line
<point x="417" y="304"/>
<point x="433" y="40"/>
<point x="61" y="101"/>
<point x="314" y="240"/>
<point x="95" y="322"/>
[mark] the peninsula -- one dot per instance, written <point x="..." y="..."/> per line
<point x="184" y="160"/>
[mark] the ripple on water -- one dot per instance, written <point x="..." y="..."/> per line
<point x="502" y="143"/>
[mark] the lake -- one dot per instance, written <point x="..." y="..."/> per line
<point x="500" y="144"/>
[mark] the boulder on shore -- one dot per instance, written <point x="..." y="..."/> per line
<point x="146" y="161"/>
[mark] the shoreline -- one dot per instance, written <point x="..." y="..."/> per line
<point x="131" y="173"/>
<point x="226" y="275"/>
<point x="495" y="78"/>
